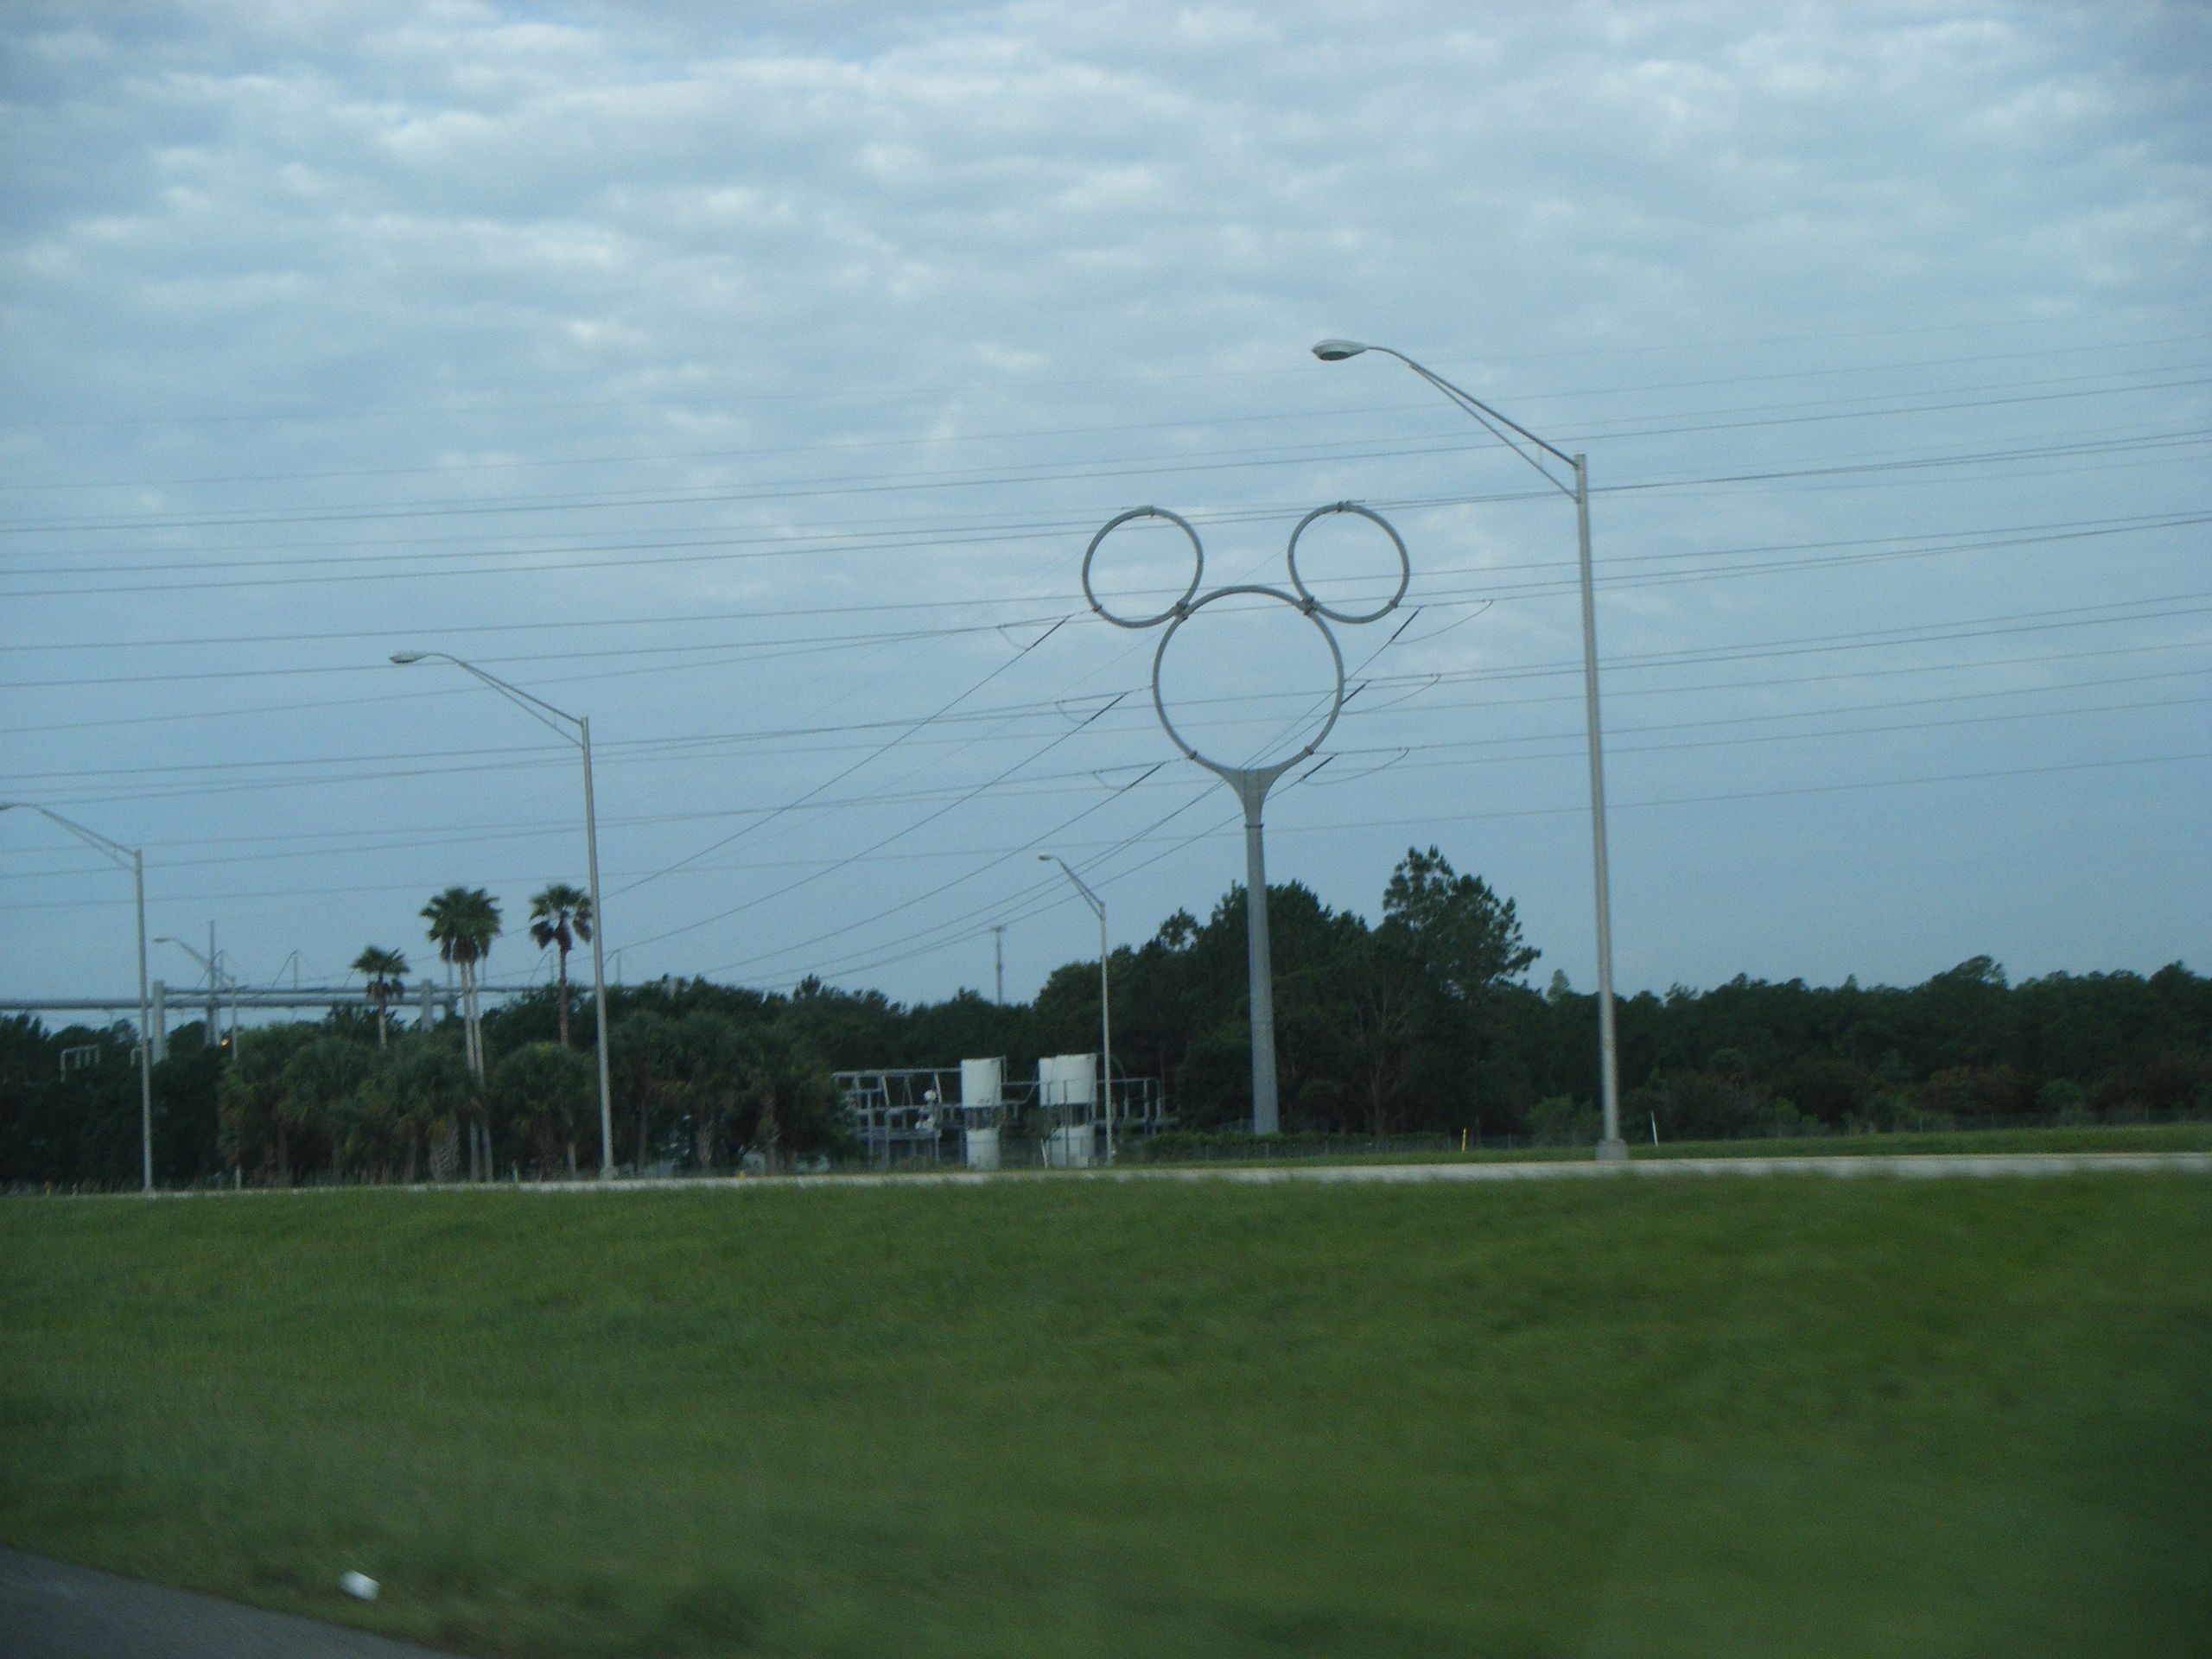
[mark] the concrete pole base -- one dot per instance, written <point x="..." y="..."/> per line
<point x="1614" y="1150"/>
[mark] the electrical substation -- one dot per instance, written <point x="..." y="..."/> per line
<point x="973" y="1115"/>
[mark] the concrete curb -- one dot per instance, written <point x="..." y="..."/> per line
<point x="1843" y="1166"/>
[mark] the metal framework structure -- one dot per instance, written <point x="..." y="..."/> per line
<point x="425" y="995"/>
<point x="910" y="1114"/>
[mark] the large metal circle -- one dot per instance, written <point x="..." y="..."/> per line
<point x="1336" y="657"/>
<point x="1405" y="564"/>
<point x="1182" y="607"/>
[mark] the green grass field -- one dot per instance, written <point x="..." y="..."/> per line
<point x="1073" y="1418"/>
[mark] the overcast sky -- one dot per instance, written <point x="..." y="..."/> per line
<point x="752" y="378"/>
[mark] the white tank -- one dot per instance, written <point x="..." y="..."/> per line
<point x="1068" y="1080"/>
<point x="1069" y="1149"/>
<point x="982" y="1083"/>
<point x="982" y="1148"/>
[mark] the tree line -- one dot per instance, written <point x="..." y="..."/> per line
<point x="1426" y="1021"/>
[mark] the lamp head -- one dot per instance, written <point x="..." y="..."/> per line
<point x="403" y="658"/>
<point x="1335" y="351"/>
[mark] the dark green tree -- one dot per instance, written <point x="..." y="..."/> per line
<point x="322" y="1094"/>
<point x="258" y="1128"/>
<point x="425" y="1091"/>
<point x="540" y="1093"/>
<point x="1465" y="936"/>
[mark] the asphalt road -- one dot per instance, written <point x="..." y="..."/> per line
<point x="49" y="1610"/>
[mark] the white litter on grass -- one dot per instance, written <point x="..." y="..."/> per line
<point x="359" y="1585"/>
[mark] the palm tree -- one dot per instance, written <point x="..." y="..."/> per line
<point x="463" y="923"/>
<point x="561" y="916"/>
<point x="447" y="914"/>
<point x="384" y="970"/>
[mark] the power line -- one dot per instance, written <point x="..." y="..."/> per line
<point x="1037" y="895"/>
<point x="350" y="842"/>
<point x="1334" y="414"/>
<point x="1227" y="823"/>
<point x="938" y="714"/>
<point x="560" y="539"/>
<point x="765" y="649"/>
<point x="787" y="645"/>
<point x="720" y="546"/>
<point x="829" y="446"/>
<point x="997" y="477"/>
<point x="2173" y="518"/>
<point x="876" y="396"/>
<point x="960" y="799"/>
<point x="2020" y="622"/>
<point x="1170" y="461"/>
<point x="954" y="796"/>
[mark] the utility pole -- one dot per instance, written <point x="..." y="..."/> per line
<point x="1105" y="1001"/>
<point x="135" y="859"/>
<point x="998" y="962"/>
<point x="1610" y="1148"/>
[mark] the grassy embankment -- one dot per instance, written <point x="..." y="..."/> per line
<point x="1074" y="1417"/>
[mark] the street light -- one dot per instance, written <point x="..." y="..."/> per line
<point x="137" y="860"/>
<point x="1611" y="1148"/>
<point x="538" y="709"/>
<point x="1105" y="1004"/>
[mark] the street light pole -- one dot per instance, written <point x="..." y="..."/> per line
<point x="538" y="708"/>
<point x="136" y="860"/>
<point x="1105" y="1002"/>
<point x="598" y="963"/>
<point x="1611" y="1148"/>
<point x="145" y="1034"/>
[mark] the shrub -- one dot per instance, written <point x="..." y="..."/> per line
<point x="1562" y="1121"/>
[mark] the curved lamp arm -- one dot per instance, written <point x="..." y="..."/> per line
<point x="1335" y="351"/>
<point x="535" y="708"/>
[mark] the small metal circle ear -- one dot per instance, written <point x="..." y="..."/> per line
<point x="1181" y="608"/>
<point x="1405" y="564"/>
